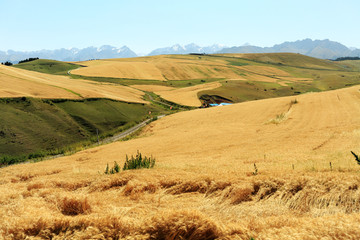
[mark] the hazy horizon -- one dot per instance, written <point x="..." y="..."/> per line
<point x="170" y="45"/>
<point x="144" y="26"/>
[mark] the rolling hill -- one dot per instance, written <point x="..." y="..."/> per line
<point x="191" y="67"/>
<point x="46" y="114"/>
<point x="47" y="66"/>
<point x="243" y="77"/>
<point x="268" y="169"/>
<point x="18" y="82"/>
<point x="324" y="49"/>
<point x="275" y="168"/>
<point x="32" y="128"/>
<point x="238" y="77"/>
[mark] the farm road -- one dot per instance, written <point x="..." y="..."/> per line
<point x="127" y="132"/>
<point x="114" y="138"/>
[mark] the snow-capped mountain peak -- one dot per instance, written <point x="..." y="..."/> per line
<point x="70" y="54"/>
<point x="189" y="48"/>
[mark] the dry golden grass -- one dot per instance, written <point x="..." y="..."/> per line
<point x="73" y="206"/>
<point x="17" y="82"/>
<point x="265" y="70"/>
<point x="292" y="79"/>
<point x="203" y="186"/>
<point x="120" y="69"/>
<point x="152" y="88"/>
<point x="188" y="95"/>
<point x="174" y="68"/>
<point x="185" y="67"/>
<point x="288" y="59"/>
<point x="185" y="96"/>
<point x="15" y="85"/>
<point x="261" y="78"/>
<point x="184" y="70"/>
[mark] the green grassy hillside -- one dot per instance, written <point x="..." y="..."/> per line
<point x="289" y="59"/>
<point x="32" y="125"/>
<point x="47" y="66"/>
<point x="104" y="115"/>
<point x="29" y="126"/>
<point x="240" y="91"/>
<point x="352" y="64"/>
<point x="322" y="74"/>
<point x="305" y="74"/>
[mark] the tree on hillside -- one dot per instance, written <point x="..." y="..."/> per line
<point x="347" y="58"/>
<point x="28" y="60"/>
<point x="7" y="63"/>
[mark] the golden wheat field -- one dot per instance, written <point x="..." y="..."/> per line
<point x="18" y="83"/>
<point x="286" y="58"/>
<point x="204" y="184"/>
<point x="152" y="88"/>
<point x="183" y="67"/>
<point x="185" y="96"/>
<point x="157" y="68"/>
<point x="188" y="95"/>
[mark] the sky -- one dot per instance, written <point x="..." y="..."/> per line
<point x="144" y="25"/>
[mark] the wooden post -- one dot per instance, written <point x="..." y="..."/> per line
<point x="97" y="134"/>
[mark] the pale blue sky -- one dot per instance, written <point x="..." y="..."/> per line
<point x="145" y="25"/>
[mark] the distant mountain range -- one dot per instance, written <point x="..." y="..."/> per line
<point x="190" y="48"/>
<point x="324" y="49"/>
<point x="73" y="54"/>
